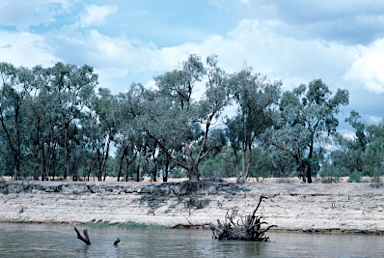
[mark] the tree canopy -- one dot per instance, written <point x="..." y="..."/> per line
<point x="196" y="121"/>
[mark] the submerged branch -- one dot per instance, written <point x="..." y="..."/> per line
<point x="84" y="239"/>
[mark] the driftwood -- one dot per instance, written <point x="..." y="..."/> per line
<point x="246" y="228"/>
<point x="85" y="239"/>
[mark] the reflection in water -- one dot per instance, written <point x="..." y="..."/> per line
<point x="26" y="240"/>
<point x="82" y="250"/>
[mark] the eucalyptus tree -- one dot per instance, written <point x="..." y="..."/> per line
<point x="255" y="98"/>
<point x="34" y="115"/>
<point x="374" y="156"/>
<point x="131" y="138"/>
<point x="104" y="104"/>
<point x="175" y="117"/>
<point x="15" y="85"/>
<point x="349" y="155"/>
<point x="67" y="93"/>
<point x="308" y="115"/>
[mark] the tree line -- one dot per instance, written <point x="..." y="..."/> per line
<point x="56" y="122"/>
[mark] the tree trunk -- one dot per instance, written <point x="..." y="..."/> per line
<point x="43" y="162"/>
<point x="18" y="142"/>
<point x="309" y="165"/>
<point x="126" y="171"/>
<point x="309" y="174"/>
<point x="121" y="164"/>
<point x="16" y="168"/>
<point x="100" y="168"/>
<point x="66" y="152"/>
<point x="165" y="170"/>
<point x="194" y="175"/>
<point x="154" y="159"/>
<point x="75" y="174"/>
<point x="245" y="163"/>
<point x="236" y="164"/>
<point x="89" y="172"/>
<point x="154" y="174"/>
<point x="108" y="142"/>
<point x="138" y="173"/>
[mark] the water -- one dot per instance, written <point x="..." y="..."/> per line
<point x="31" y="240"/>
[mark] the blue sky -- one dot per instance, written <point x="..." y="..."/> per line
<point x="341" y="42"/>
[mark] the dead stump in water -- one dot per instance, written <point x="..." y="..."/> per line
<point x="85" y="239"/>
<point x="246" y="228"/>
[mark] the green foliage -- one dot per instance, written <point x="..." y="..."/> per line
<point x="307" y="118"/>
<point x="374" y="161"/>
<point x="222" y="165"/>
<point x="355" y="177"/>
<point x="174" y="116"/>
<point x="53" y="125"/>
<point x="329" y="173"/>
<point x="255" y="97"/>
<point x="364" y="153"/>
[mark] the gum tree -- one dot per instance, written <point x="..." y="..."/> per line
<point x="307" y="115"/>
<point x="67" y="92"/>
<point x="176" y="120"/>
<point x="374" y="156"/>
<point x="15" y="85"/>
<point x="255" y="98"/>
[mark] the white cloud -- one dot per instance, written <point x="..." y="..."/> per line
<point x="36" y="12"/>
<point x="293" y="60"/>
<point x="368" y="69"/>
<point x="351" y="135"/>
<point x="376" y="119"/>
<point x="25" y="49"/>
<point x="251" y="43"/>
<point x="96" y="15"/>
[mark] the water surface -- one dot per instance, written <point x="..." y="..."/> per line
<point x="42" y="240"/>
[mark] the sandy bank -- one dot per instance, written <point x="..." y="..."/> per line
<point x="316" y="207"/>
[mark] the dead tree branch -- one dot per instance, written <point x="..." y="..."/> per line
<point x="85" y="239"/>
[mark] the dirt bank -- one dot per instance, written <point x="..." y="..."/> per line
<point x="293" y="206"/>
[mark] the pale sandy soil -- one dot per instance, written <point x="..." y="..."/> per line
<point x="345" y="207"/>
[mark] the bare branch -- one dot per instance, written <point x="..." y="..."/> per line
<point x="84" y="239"/>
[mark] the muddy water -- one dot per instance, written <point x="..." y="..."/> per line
<point x="46" y="240"/>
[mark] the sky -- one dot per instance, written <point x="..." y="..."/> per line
<point x="296" y="41"/>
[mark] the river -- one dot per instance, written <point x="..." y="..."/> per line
<point x="52" y="240"/>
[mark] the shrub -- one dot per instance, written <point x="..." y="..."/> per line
<point x="329" y="174"/>
<point x="355" y="177"/>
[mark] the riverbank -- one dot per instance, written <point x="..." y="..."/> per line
<point x="345" y="207"/>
